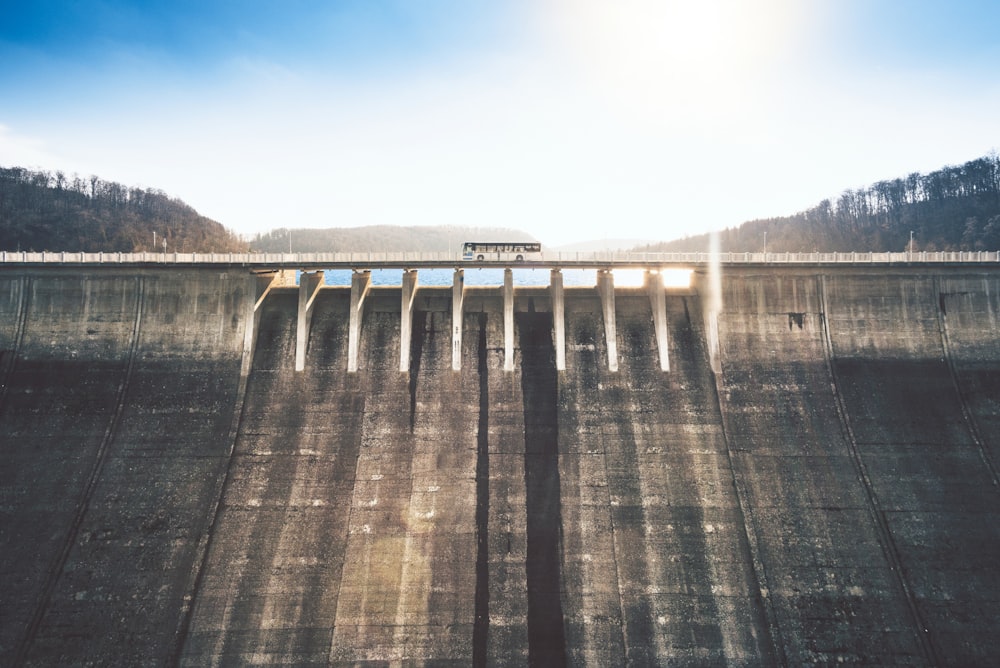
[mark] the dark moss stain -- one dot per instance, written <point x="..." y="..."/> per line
<point x="481" y="627"/>
<point x="546" y="634"/>
<point x="416" y="350"/>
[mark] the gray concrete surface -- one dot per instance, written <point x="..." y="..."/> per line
<point x="174" y="492"/>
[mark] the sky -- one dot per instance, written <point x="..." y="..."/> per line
<point x="571" y="120"/>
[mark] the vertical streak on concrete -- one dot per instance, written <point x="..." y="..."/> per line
<point x="309" y="286"/>
<point x="710" y="290"/>
<point x="481" y="626"/>
<point x="763" y="594"/>
<point x="88" y="490"/>
<point x="558" y="318"/>
<point x="7" y="362"/>
<point x="416" y="351"/>
<point x="658" y="303"/>
<point x="361" y="282"/>
<point x="606" y="288"/>
<point x="967" y="414"/>
<point x="256" y="292"/>
<point x="508" y="320"/>
<point x="457" y="303"/>
<point x="886" y="541"/>
<point x="408" y="292"/>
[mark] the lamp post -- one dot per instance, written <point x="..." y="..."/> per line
<point x="911" y="242"/>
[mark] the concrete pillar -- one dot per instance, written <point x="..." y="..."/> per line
<point x="361" y="282"/>
<point x="508" y="320"/>
<point x="309" y="286"/>
<point x="606" y="288"/>
<point x="457" y="303"/>
<point x="264" y="283"/>
<point x="658" y="303"/>
<point x="409" y="291"/>
<point x="558" y="318"/>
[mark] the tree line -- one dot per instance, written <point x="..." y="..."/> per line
<point x="42" y="210"/>
<point x="953" y="208"/>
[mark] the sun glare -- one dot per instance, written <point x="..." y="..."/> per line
<point x="676" y="278"/>
<point x="675" y="58"/>
<point x="629" y="278"/>
<point x="634" y="278"/>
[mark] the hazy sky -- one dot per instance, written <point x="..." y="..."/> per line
<point x="569" y="119"/>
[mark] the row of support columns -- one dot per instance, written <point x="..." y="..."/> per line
<point x="311" y="282"/>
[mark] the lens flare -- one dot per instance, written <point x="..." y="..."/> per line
<point x="676" y="278"/>
<point x="629" y="278"/>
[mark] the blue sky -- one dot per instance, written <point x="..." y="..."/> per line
<point x="569" y="119"/>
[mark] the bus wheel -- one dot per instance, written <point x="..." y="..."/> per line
<point x="520" y="258"/>
<point x="480" y="258"/>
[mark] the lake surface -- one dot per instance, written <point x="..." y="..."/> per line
<point x="484" y="276"/>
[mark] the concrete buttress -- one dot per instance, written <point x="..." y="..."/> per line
<point x="658" y="303"/>
<point x="457" y="303"/>
<point x="558" y="318"/>
<point x="408" y="291"/>
<point x="309" y="286"/>
<point x="361" y="282"/>
<point x="606" y="288"/>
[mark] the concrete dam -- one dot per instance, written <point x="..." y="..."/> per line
<point x="799" y="470"/>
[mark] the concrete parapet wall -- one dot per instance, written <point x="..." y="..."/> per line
<point x="177" y="491"/>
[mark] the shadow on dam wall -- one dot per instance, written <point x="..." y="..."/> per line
<point x="174" y="492"/>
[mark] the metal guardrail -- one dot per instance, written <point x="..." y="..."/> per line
<point x="415" y="259"/>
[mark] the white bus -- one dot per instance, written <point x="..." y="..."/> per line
<point x="514" y="251"/>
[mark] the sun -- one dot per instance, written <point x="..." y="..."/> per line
<point x="675" y="59"/>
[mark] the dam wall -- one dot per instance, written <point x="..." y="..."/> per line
<point x="175" y="492"/>
<point x="118" y="398"/>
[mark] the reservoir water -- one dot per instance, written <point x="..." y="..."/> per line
<point x="485" y="276"/>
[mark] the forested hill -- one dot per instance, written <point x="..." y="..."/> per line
<point x="381" y="238"/>
<point x="953" y="208"/>
<point x="46" y="211"/>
